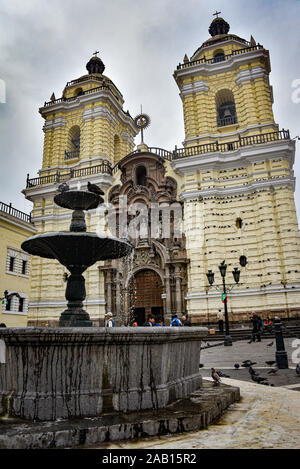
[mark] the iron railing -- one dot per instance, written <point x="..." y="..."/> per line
<point x="105" y="167"/>
<point x="227" y="121"/>
<point x="10" y="210"/>
<point x="70" y="155"/>
<point x="231" y="146"/>
<point x="204" y="60"/>
<point x="72" y="98"/>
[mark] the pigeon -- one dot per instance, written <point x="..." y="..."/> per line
<point x="270" y="345"/>
<point x="258" y="379"/>
<point x="273" y="371"/>
<point x="272" y="362"/>
<point x="222" y="375"/>
<point x="215" y="376"/>
<point x="298" y="369"/>
<point x="63" y="187"/>
<point x="8" y="296"/>
<point x="252" y="372"/>
<point x="248" y="363"/>
<point x="236" y="366"/>
<point x="94" y="188"/>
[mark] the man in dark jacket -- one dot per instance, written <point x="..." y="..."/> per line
<point x="185" y="321"/>
<point x="256" y="327"/>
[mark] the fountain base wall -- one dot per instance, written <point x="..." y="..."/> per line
<point x="63" y="373"/>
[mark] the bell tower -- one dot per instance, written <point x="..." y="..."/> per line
<point x="86" y="133"/>
<point x="237" y="179"/>
<point x="225" y="88"/>
<point x="87" y="124"/>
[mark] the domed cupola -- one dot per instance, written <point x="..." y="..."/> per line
<point x="218" y="26"/>
<point x="95" y="65"/>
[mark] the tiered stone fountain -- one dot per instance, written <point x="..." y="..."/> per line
<point x="76" y="371"/>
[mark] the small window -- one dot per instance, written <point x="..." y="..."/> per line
<point x="219" y="57"/>
<point x="141" y="176"/>
<point x="239" y="223"/>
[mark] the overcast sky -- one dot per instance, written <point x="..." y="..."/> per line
<point x="44" y="44"/>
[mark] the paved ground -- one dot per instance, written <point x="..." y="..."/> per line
<point x="223" y="358"/>
<point x="265" y="418"/>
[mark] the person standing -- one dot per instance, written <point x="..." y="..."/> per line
<point x="256" y="326"/>
<point x="109" y="322"/>
<point x="150" y="321"/>
<point x="220" y="321"/>
<point x="185" y="321"/>
<point x="175" y="321"/>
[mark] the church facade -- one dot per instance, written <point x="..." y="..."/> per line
<point x="231" y="185"/>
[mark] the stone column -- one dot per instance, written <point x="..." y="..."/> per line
<point x="178" y="279"/>
<point x="168" y="294"/>
<point x="108" y="290"/>
<point x="118" y="295"/>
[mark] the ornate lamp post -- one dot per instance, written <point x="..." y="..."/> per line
<point x="236" y="275"/>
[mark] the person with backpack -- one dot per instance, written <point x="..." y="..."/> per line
<point x="175" y="321"/>
<point x="110" y="322"/>
<point x="150" y="321"/>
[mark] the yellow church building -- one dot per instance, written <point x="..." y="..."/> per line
<point x="15" y="227"/>
<point x="233" y="180"/>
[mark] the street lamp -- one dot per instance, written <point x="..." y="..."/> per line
<point x="236" y="275"/>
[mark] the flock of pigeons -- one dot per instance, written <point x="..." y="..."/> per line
<point x="218" y="374"/>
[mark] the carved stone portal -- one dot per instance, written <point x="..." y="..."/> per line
<point x="153" y="279"/>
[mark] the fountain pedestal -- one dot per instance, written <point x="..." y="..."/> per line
<point x="76" y="250"/>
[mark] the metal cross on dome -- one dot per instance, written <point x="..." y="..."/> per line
<point x="217" y="14"/>
<point x="95" y="53"/>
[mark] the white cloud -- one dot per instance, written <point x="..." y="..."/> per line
<point x="45" y="44"/>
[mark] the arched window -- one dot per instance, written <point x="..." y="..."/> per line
<point x="73" y="143"/>
<point x="141" y="175"/>
<point x="78" y="92"/>
<point x="226" y="111"/>
<point x="219" y="56"/>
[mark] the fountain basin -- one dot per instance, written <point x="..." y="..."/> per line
<point x="78" y="200"/>
<point x="81" y="250"/>
<point x="63" y="373"/>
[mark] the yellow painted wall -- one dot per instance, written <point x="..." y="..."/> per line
<point x="12" y="233"/>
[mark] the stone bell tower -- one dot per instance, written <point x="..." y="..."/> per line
<point x="86" y="133"/>
<point x="238" y="180"/>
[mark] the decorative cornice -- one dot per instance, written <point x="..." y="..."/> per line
<point x="240" y="157"/>
<point x="228" y="65"/>
<point x="49" y="190"/>
<point x="54" y="123"/>
<point x="199" y="86"/>
<point x="293" y="288"/>
<point x="254" y="73"/>
<point x="59" y="304"/>
<point x="249" y="187"/>
<point x="245" y="130"/>
<point x="99" y="111"/>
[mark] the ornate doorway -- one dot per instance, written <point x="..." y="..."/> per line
<point x="146" y="295"/>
